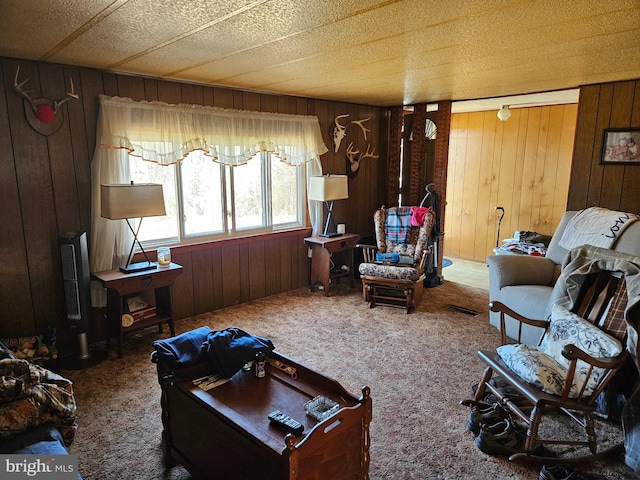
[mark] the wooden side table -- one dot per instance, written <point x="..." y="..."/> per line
<point x="325" y="250"/>
<point x="120" y="286"/>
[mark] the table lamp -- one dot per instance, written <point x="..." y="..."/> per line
<point x="328" y="188"/>
<point x="125" y="201"/>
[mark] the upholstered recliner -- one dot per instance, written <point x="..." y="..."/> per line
<point x="524" y="283"/>
<point x="393" y="270"/>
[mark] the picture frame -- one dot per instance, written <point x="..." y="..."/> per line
<point x="620" y="146"/>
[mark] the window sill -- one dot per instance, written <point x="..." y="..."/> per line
<point x="226" y="242"/>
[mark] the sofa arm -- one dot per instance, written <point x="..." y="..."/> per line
<point x="507" y="270"/>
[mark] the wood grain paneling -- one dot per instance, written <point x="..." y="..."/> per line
<point x="609" y="105"/>
<point x="520" y="165"/>
<point x="45" y="191"/>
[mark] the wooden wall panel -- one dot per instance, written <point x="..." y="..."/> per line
<point x="203" y="300"/>
<point x="609" y="105"/>
<point x="486" y="192"/>
<point x="45" y="189"/>
<point x="518" y="165"/>
<point x="272" y="265"/>
<point x="15" y="277"/>
<point x="231" y="276"/>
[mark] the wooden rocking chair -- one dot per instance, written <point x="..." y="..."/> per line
<point x="397" y="279"/>
<point x="601" y="302"/>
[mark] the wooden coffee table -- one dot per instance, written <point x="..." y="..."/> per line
<point x="224" y="433"/>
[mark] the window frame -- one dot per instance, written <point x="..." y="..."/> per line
<point x="227" y="196"/>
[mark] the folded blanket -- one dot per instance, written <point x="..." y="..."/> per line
<point x="31" y="395"/>
<point x="398" y="224"/>
<point x="595" y="226"/>
<point x="229" y="349"/>
<point x="182" y="350"/>
<point x="417" y="216"/>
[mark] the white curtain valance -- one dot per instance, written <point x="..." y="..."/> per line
<point x="165" y="133"/>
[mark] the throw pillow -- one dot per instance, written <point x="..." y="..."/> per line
<point x="566" y="327"/>
<point x="534" y="367"/>
<point x="546" y="368"/>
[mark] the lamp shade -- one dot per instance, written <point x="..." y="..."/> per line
<point x="132" y="201"/>
<point x="328" y="187"/>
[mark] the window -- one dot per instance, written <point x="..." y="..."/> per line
<point x="207" y="200"/>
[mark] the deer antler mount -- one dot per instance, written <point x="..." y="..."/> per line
<point x="43" y="114"/>
<point x="353" y="154"/>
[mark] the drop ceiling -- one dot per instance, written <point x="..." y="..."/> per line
<point x="382" y="53"/>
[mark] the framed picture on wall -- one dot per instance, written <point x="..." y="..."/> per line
<point x="620" y="146"/>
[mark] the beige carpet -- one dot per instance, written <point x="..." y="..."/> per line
<point x="418" y="367"/>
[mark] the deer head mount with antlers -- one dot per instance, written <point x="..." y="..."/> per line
<point x="353" y="159"/>
<point x="338" y="131"/>
<point x="354" y="155"/>
<point x="43" y="114"/>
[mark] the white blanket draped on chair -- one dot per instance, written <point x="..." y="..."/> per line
<point x="596" y="226"/>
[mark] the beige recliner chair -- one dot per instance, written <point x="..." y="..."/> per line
<point x="524" y="283"/>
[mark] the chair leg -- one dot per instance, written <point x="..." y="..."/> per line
<point x="408" y="295"/>
<point x="591" y="432"/>
<point x="482" y="386"/>
<point x="532" y="431"/>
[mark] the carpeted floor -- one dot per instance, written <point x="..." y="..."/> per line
<point x="418" y="367"/>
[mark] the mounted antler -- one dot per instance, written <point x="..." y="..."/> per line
<point x="369" y="154"/>
<point x="43" y="108"/>
<point x="352" y="152"/>
<point x="18" y="88"/>
<point x="70" y="95"/>
<point x="354" y="162"/>
<point x="339" y="131"/>
<point x="360" y="124"/>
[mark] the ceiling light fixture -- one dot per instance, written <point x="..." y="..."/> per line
<point x="504" y="113"/>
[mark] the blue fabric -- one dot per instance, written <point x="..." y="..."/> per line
<point x="398" y="224"/>
<point x="45" y="439"/>
<point x="228" y="350"/>
<point x="182" y="350"/>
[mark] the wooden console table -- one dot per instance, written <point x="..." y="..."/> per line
<point x="323" y="251"/>
<point x="121" y="285"/>
<point x="224" y="433"/>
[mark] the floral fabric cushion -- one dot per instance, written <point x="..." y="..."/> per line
<point x="534" y="367"/>
<point x="567" y="327"/>
<point x="546" y="367"/>
<point x="389" y="271"/>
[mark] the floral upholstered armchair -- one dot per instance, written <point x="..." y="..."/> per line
<point x="392" y="272"/>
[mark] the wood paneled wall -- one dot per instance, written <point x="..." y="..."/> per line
<point x="609" y="105"/>
<point x="45" y="192"/>
<point x="522" y="165"/>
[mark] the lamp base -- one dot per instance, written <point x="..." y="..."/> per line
<point x="331" y="235"/>
<point x="139" y="267"/>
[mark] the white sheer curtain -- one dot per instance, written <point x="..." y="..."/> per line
<point x="231" y="137"/>
<point x="316" y="209"/>
<point x="164" y="133"/>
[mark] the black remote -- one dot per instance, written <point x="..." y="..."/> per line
<point x="285" y="422"/>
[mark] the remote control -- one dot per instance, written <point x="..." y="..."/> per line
<point x="285" y="422"/>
